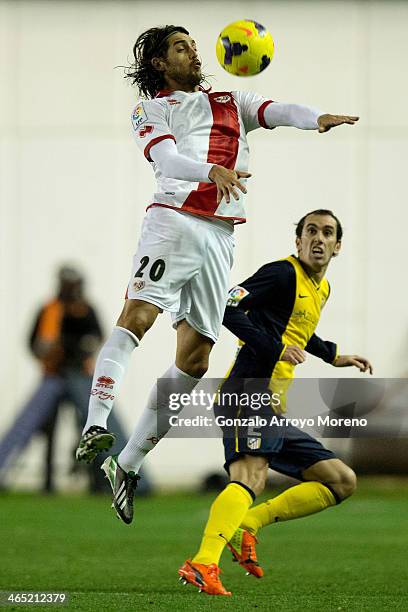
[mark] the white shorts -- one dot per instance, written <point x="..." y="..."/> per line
<point x="182" y="265"/>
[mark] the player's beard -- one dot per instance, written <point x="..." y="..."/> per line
<point x="192" y="78"/>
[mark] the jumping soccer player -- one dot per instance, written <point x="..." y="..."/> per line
<point x="275" y="313"/>
<point x="196" y="143"/>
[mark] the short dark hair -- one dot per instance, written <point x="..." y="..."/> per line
<point x="152" y="43"/>
<point x="321" y="211"/>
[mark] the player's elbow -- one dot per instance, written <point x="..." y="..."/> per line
<point x="230" y="315"/>
<point x="165" y="168"/>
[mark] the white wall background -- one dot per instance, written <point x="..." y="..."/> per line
<point x="73" y="187"/>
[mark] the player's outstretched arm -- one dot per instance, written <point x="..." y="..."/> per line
<point x="303" y="117"/>
<point x="344" y="361"/>
<point x="327" y="122"/>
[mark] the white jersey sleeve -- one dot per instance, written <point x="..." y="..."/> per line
<point x="150" y="125"/>
<point x="252" y="108"/>
<point x="292" y="115"/>
<point x="174" y="165"/>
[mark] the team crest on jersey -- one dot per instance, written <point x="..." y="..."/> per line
<point x="254" y="443"/>
<point x="139" y="116"/>
<point x="223" y="99"/>
<point x="138" y="285"/>
<point x="236" y="295"/>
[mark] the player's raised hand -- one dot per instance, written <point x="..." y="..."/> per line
<point x="227" y="182"/>
<point x="343" y="361"/>
<point x="294" y="355"/>
<point x="326" y="122"/>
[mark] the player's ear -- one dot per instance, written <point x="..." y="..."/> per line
<point x="298" y="244"/>
<point x="158" y="64"/>
<point x="337" y="248"/>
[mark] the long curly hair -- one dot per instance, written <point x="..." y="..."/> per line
<point x="152" y="43"/>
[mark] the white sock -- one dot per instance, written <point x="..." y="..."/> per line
<point x="146" y="434"/>
<point x="109" y="370"/>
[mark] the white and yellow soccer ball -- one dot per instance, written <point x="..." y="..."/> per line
<point x="245" y="48"/>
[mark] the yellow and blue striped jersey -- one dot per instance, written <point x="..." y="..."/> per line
<point x="279" y="305"/>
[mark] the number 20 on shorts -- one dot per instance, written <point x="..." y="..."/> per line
<point x="156" y="270"/>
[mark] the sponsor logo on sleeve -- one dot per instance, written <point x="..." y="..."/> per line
<point x="236" y="295"/>
<point x="139" y="116"/>
<point x="146" y="129"/>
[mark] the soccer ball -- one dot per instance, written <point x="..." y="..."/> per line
<point x="244" y="48"/>
<point x="351" y="397"/>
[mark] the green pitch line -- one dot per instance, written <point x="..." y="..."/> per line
<point x="348" y="558"/>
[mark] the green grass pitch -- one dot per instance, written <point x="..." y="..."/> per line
<point x="353" y="557"/>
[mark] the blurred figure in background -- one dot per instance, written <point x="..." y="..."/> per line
<point x="66" y="332"/>
<point x="65" y="335"/>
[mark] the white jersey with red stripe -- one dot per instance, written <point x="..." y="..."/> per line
<point x="207" y="127"/>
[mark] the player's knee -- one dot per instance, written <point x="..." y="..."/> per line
<point x="193" y="350"/>
<point x="252" y="471"/>
<point x="258" y="483"/>
<point x="195" y="367"/>
<point x="347" y="483"/>
<point x="138" y="317"/>
<point x="255" y="480"/>
<point x="138" y="326"/>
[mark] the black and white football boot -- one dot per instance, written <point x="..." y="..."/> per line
<point x="123" y="486"/>
<point x="95" y="440"/>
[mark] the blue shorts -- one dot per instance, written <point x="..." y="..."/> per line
<point x="289" y="450"/>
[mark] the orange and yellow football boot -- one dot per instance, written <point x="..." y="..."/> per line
<point x="205" y="577"/>
<point x="242" y="546"/>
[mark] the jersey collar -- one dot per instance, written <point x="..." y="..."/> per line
<point x="301" y="264"/>
<point x="167" y="92"/>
